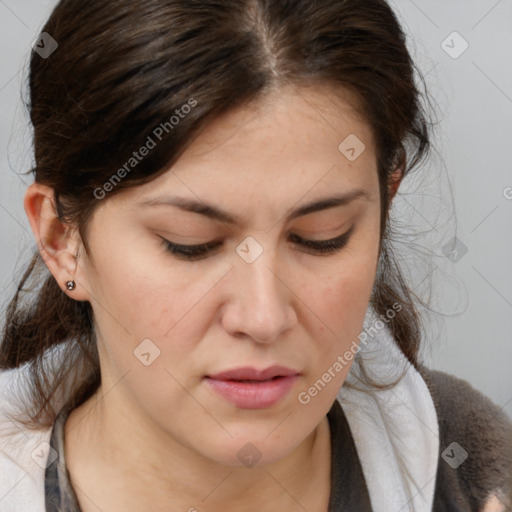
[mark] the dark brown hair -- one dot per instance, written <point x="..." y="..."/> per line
<point x="123" y="67"/>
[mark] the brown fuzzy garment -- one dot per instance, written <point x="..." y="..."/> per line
<point x="471" y="419"/>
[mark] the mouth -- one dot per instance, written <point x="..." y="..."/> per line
<point x="248" y="373"/>
<point x="250" y="388"/>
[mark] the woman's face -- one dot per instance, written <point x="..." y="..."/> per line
<point x="167" y="325"/>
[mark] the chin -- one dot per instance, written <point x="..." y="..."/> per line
<point x="249" y="450"/>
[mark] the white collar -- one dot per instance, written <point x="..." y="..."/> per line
<point x="395" y="431"/>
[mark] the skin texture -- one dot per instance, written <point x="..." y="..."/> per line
<point x="493" y="504"/>
<point x="157" y="437"/>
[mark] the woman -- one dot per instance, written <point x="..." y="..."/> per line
<point x="223" y="326"/>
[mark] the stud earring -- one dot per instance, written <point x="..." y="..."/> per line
<point x="71" y="285"/>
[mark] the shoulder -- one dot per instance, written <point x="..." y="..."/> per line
<point x="475" y="449"/>
<point x="23" y="455"/>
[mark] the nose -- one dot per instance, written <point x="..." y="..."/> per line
<point x="261" y="303"/>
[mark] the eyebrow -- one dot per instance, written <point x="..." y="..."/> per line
<point x="216" y="213"/>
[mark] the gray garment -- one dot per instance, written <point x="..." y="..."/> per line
<point x="465" y="416"/>
<point x="59" y="495"/>
<point x="469" y="418"/>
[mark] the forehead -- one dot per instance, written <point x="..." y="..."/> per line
<point x="317" y="116"/>
<point x="289" y="145"/>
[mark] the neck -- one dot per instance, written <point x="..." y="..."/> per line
<point x="107" y="452"/>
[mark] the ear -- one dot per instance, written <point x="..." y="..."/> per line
<point x="394" y="182"/>
<point x="58" y="243"/>
<point x="396" y="176"/>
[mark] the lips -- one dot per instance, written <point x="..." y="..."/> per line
<point x="250" y="388"/>
<point x="252" y="374"/>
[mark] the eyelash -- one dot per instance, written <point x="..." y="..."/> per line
<point x="324" y="247"/>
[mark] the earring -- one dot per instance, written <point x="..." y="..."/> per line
<point x="71" y="285"/>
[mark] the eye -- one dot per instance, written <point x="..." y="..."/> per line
<point x="190" y="252"/>
<point x="324" y="247"/>
<point x="321" y="247"/>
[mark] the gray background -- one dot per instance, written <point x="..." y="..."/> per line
<point x="462" y="191"/>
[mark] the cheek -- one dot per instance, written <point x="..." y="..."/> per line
<point x="346" y="289"/>
<point x="136" y="302"/>
<point x="341" y="307"/>
<point x="148" y="296"/>
<point x="348" y="294"/>
<point x="341" y="302"/>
